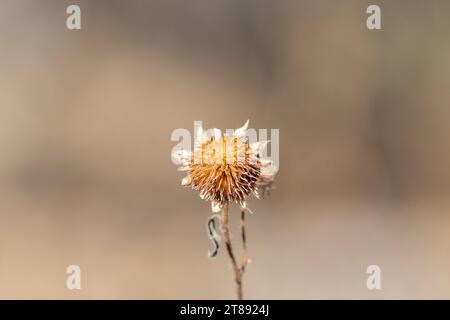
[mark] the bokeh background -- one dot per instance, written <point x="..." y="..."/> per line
<point x="85" y="124"/>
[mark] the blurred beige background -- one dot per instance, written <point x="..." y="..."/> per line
<point x="85" y="124"/>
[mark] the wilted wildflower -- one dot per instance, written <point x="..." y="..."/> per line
<point x="226" y="168"/>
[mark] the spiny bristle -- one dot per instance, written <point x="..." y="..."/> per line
<point x="224" y="170"/>
<point x="224" y="182"/>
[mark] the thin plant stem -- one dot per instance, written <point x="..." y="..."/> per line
<point x="226" y="234"/>
<point x="244" y="261"/>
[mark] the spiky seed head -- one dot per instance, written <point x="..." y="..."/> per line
<point x="226" y="168"/>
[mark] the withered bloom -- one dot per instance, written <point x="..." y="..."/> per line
<point x="226" y="168"/>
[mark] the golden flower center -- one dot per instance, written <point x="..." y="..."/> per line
<point x="223" y="170"/>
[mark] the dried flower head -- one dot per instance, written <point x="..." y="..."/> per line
<point x="226" y="168"/>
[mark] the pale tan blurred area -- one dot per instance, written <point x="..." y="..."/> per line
<point x="85" y="124"/>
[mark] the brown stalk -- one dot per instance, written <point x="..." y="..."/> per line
<point x="244" y="261"/>
<point x="238" y="270"/>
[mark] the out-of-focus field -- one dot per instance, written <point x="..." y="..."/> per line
<point x="85" y="124"/>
